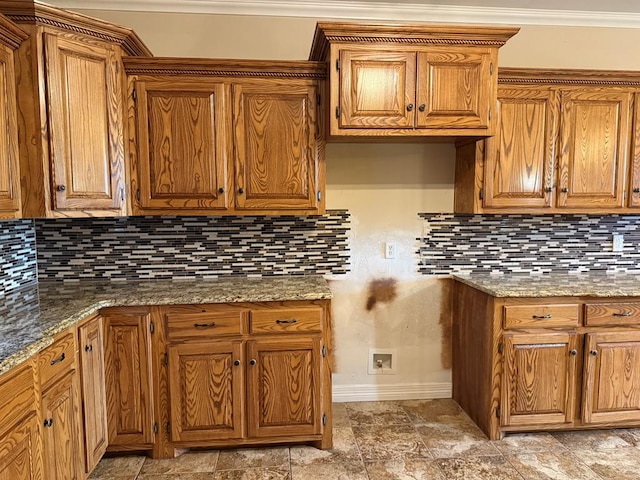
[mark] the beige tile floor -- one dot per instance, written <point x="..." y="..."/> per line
<point x="417" y="439"/>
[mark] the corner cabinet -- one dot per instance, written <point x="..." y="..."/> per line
<point x="539" y="364"/>
<point x="567" y="141"/>
<point x="225" y="137"/>
<point x="70" y="90"/>
<point x="410" y="80"/>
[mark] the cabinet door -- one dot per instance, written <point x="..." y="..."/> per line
<point x="377" y="89"/>
<point x="634" y="182"/>
<point x="182" y="144"/>
<point x="276" y="158"/>
<point x="20" y="452"/>
<point x="63" y="457"/>
<point x="455" y="87"/>
<point x="612" y="378"/>
<point x="594" y="132"/>
<point x="93" y="391"/>
<point x="128" y="377"/>
<point x="519" y="159"/>
<point x="9" y="171"/>
<point x="85" y="124"/>
<point x="283" y="387"/>
<point x="539" y="378"/>
<point x="206" y="391"/>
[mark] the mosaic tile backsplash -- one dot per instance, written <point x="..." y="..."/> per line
<point x="17" y="254"/>
<point x="527" y="244"/>
<point x="131" y="248"/>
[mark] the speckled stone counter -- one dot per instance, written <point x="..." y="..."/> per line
<point x="31" y="316"/>
<point x="555" y="285"/>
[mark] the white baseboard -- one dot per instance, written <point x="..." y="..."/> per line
<point x="402" y="391"/>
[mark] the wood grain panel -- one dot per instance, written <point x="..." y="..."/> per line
<point x="21" y="452"/>
<point x="206" y="391"/>
<point x="17" y="394"/>
<point x="203" y="325"/>
<point x="10" y="203"/>
<point x="128" y="374"/>
<point x="63" y="448"/>
<point x="634" y="175"/>
<point x="85" y="125"/>
<point x="539" y="378"/>
<point x="276" y="155"/>
<point x="455" y="87"/>
<point x="520" y="158"/>
<point x="91" y="341"/>
<point x="57" y="359"/>
<point x="612" y="377"/>
<point x="283" y="387"/>
<point x="377" y="88"/>
<point x="594" y="135"/>
<point x="541" y="316"/>
<point x="292" y="320"/>
<point x="182" y="148"/>
<point x="611" y="314"/>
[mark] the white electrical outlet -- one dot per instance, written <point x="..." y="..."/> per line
<point x="389" y="250"/>
<point x="618" y="242"/>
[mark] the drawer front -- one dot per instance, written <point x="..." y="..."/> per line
<point x="596" y="314"/>
<point x="541" y="316"/>
<point x="17" y="394"/>
<point x="292" y="320"/>
<point x="203" y="324"/>
<point x="57" y="360"/>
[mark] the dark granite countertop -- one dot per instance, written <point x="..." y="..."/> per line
<point x="556" y="285"/>
<point x="31" y="316"/>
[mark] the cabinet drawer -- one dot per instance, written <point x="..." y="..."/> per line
<point x="56" y="360"/>
<point x="611" y="314"/>
<point x="203" y="324"/>
<point x="291" y="320"/>
<point x="540" y="316"/>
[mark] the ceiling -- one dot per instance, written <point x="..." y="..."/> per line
<point x="609" y="13"/>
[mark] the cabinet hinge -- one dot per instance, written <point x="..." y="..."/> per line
<point x="165" y="359"/>
<point x="489" y="114"/>
<point x="498" y="412"/>
<point x="324" y="419"/>
<point x="117" y="67"/>
<point x="152" y="327"/>
<point x="168" y="428"/>
<point x="138" y="194"/>
<point x="324" y="351"/>
<point x="491" y="68"/>
<point x="155" y="428"/>
<point x="481" y="193"/>
<point x="122" y="194"/>
<point x="500" y="347"/>
<point x="337" y="112"/>
<point x="134" y="95"/>
<point x="318" y="99"/>
<point x="338" y="65"/>
<point x="319" y="196"/>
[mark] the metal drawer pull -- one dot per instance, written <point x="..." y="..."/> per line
<point x="548" y="315"/>
<point x="205" y="325"/>
<point x="623" y="314"/>
<point x="58" y="360"/>
<point x="293" y="320"/>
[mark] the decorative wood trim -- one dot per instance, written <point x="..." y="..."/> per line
<point x="224" y="68"/>
<point x="42" y="14"/>
<point x="623" y="78"/>
<point x="327" y="33"/>
<point x="10" y="34"/>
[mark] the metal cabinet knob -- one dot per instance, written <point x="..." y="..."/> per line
<point x="88" y="348"/>
<point x="422" y="107"/>
<point x="564" y="190"/>
<point x="237" y="363"/>
<point x="241" y="190"/>
<point x="636" y="190"/>
<point x="594" y="352"/>
<point x="252" y="361"/>
<point x="573" y="352"/>
<point x="221" y="190"/>
<point x="61" y="188"/>
<point x="409" y="107"/>
<point x="548" y="189"/>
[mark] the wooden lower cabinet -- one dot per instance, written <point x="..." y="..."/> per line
<point x="530" y="364"/>
<point x="20" y="452"/>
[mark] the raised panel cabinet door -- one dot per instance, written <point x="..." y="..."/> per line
<point x="594" y="139"/>
<point x="9" y="168"/>
<point x="182" y="144"/>
<point x="85" y="124"/>
<point x="93" y="391"/>
<point x="21" y="452"/>
<point x="634" y="178"/>
<point x="611" y="378"/>
<point x="377" y="89"/>
<point x="455" y="87"/>
<point x="128" y="377"/>
<point x="539" y="379"/>
<point x="519" y="159"/>
<point x="63" y="459"/>
<point x="276" y="157"/>
<point x="206" y="390"/>
<point x="283" y="387"/>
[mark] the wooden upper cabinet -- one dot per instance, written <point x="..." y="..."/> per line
<point x="594" y="136"/>
<point x="276" y="154"/>
<point x="410" y="80"/>
<point x="456" y="87"/>
<point x="519" y="159"/>
<point x="85" y="125"/>
<point x="10" y="38"/>
<point x="634" y="160"/>
<point x="377" y="89"/>
<point x="182" y="144"/>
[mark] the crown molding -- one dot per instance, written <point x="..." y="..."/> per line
<point x="361" y="10"/>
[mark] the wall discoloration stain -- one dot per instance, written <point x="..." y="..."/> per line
<point x="445" y="321"/>
<point x="381" y="290"/>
